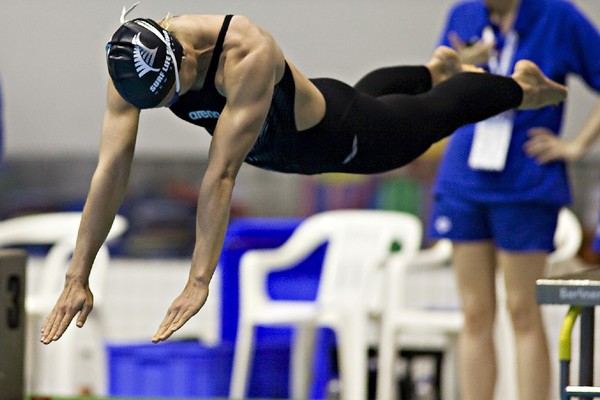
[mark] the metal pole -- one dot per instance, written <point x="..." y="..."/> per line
<point x="564" y="349"/>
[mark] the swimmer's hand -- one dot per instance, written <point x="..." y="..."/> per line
<point x="184" y="307"/>
<point x="76" y="297"/>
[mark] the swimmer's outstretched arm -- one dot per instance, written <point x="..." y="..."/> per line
<point x="107" y="189"/>
<point x="249" y="82"/>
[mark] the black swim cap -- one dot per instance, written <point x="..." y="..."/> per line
<point x="143" y="60"/>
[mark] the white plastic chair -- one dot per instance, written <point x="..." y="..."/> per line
<point x="434" y="329"/>
<point x="408" y="327"/>
<point x="59" y="229"/>
<point x="359" y="241"/>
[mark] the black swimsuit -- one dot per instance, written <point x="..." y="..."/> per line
<point x="387" y="120"/>
<point x="277" y="146"/>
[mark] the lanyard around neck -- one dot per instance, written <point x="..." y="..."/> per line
<point x="500" y="64"/>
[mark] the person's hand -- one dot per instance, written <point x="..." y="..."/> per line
<point x="75" y="298"/>
<point x="477" y="53"/>
<point x="184" y="307"/>
<point x="545" y="146"/>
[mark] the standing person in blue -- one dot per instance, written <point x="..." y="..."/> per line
<point x="502" y="182"/>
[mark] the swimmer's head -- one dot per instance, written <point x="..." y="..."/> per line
<point x="143" y="62"/>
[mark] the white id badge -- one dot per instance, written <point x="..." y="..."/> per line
<point x="490" y="143"/>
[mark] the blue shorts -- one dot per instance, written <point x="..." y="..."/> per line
<point x="511" y="226"/>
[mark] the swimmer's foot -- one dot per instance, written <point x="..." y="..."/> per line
<point x="538" y="90"/>
<point x="444" y="63"/>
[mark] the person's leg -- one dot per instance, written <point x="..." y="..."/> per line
<point x="392" y="130"/>
<point x="521" y="270"/>
<point x="537" y="90"/>
<point x="455" y="98"/>
<point x="465" y="223"/>
<point x="444" y="64"/>
<point x="414" y="122"/>
<point x="475" y="267"/>
<point x="524" y="249"/>
<point x="411" y="123"/>
<point x="408" y="80"/>
<point x="466" y="98"/>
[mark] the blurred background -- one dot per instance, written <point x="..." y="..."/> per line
<point x="53" y="76"/>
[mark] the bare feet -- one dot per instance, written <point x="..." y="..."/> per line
<point x="538" y="90"/>
<point x="445" y="63"/>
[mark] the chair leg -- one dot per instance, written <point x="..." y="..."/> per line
<point x="449" y="386"/>
<point x="385" y="365"/>
<point x="49" y="369"/>
<point x="56" y="370"/>
<point x="98" y="362"/>
<point x="241" y="361"/>
<point x="302" y="357"/>
<point x="353" y="363"/>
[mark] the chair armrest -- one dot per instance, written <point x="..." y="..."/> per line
<point x="298" y="247"/>
<point x="437" y="256"/>
<point x="567" y="238"/>
<point x="255" y="265"/>
<point x="400" y="264"/>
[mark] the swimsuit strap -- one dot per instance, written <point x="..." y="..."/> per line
<point x="214" y="62"/>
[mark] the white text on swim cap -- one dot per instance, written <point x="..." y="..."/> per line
<point x="161" y="76"/>
<point x="143" y="57"/>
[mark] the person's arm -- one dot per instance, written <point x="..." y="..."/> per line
<point x="107" y="189"/>
<point x="545" y="146"/>
<point x="582" y="39"/>
<point x="465" y="32"/>
<point x="475" y="53"/>
<point x="249" y="79"/>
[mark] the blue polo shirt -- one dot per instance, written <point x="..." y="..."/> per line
<point x="561" y="41"/>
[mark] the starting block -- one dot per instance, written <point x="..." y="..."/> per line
<point x="12" y="324"/>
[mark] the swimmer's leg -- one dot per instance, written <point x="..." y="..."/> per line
<point x="471" y="97"/>
<point x="395" y="80"/>
<point x="444" y="64"/>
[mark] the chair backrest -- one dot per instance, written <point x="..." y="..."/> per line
<point x="358" y="242"/>
<point x="49" y="228"/>
<point x="58" y="229"/>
